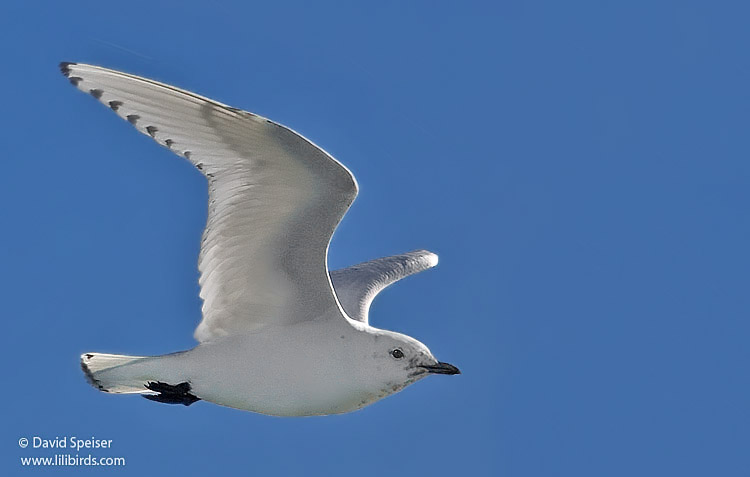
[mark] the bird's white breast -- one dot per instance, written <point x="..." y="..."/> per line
<point x="305" y="369"/>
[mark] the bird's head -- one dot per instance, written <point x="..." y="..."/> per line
<point x="401" y="360"/>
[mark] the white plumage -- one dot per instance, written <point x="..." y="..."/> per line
<point x="275" y="199"/>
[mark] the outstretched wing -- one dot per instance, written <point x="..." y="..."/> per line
<point x="357" y="286"/>
<point x="275" y="199"/>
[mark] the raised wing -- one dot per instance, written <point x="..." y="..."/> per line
<point x="357" y="286"/>
<point x="275" y="199"/>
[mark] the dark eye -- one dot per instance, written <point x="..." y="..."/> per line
<point x="397" y="353"/>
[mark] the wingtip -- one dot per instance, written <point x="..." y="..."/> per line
<point x="432" y="258"/>
<point x="427" y="257"/>
<point x="65" y="67"/>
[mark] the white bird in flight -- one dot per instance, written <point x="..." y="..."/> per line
<point x="280" y="334"/>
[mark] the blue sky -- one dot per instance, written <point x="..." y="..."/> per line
<point x="581" y="168"/>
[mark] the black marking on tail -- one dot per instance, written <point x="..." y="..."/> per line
<point x="90" y="377"/>
<point x="171" y="394"/>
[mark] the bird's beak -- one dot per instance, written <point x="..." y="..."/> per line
<point x="441" y="368"/>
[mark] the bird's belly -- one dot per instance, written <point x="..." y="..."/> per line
<point x="285" y="400"/>
<point x="269" y="378"/>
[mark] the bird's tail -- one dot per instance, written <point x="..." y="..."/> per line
<point x="154" y="377"/>
<point x="115" y="373"/>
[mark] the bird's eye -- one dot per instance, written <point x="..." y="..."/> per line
<point x="397" y="353"/>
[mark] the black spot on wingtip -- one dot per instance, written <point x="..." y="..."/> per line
<point x="65" y="67"/>
<point x="97" y="93"/>
<point x="133" y="119"/>
<point x="169" y="143"/>
<point x="115" y="105"/>
<point x="187" y="154"/>
<point x="89" y="355"/>
<point x="151" y="130"/>
<point x="199" y="166"/>
<point x="74" y="80"/>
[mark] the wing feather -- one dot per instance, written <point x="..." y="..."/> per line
<point x="358" y="285"/>
<point x="275" y="199"/>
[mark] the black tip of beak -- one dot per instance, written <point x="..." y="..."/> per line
<point x="442" y="368"/>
